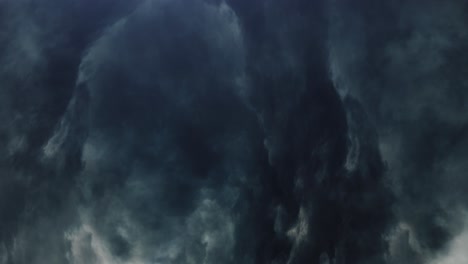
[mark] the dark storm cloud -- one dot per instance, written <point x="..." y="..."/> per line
<point x="327" y="170"/>
<point x="173" y="152"/>
<point x="177" y="160"/>
<point x="180" y="137"/>
<point x="403" y="60"/>
<point x="190" y="131"/>
<point x="39" y="61"/>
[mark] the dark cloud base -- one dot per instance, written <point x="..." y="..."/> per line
<point x="191" y="131"/>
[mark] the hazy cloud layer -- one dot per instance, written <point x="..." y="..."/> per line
<point x="236" y="131"/>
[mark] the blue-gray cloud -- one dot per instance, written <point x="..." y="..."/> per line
<point x="191" y="131"/>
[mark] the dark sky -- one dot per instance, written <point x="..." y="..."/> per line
<point x="233" y="131"/>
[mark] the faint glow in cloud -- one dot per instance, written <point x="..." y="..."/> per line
<point x="457" y="252"/>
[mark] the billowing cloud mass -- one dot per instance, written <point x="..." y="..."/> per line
<point x="233" y="131"/>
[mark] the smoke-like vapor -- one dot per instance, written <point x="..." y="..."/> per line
<point x="404" y="61"/>
<point x="233" y="131"/>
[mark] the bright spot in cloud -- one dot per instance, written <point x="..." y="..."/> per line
<point x="458" y="250"/>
